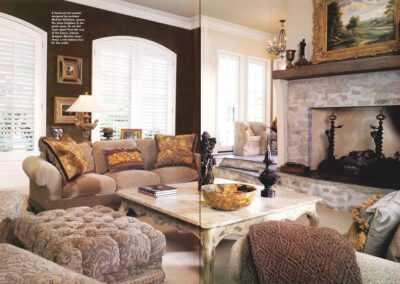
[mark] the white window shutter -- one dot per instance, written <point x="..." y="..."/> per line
<point x="17" y="92"/>
<point x="134" y="80"/>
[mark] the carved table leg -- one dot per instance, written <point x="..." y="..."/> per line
<point x="313" y="218"/>
<point x="208" y="255"/>
<point x="123" y="208"/>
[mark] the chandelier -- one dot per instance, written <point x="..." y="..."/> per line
<point x="278" y="47"/>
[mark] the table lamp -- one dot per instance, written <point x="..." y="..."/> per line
<point x="85" y="104"/>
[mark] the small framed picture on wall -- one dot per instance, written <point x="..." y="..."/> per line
<point x="69" y="70"/>
<point x="61" y="116"/>
<point x="135" y="134"/>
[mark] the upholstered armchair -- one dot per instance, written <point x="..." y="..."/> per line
<point x="250" y="138"/>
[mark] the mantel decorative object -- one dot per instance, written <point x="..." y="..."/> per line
<point x="302" y="61"/>
<point x="278" y="46"/>
<point x="377" y="134"/>
<point x="330" y="163"/>
<point x="207" y="145"/>
<point x="268" y="177"/>
<point x="290" y="53"/>
<point x="85" y="104"/>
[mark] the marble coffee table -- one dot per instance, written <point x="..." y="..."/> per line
<point x="188" y="212"/>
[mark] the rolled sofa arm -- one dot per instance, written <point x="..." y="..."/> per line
<point x="197" y="162"/>
<point x="43" y="174"/>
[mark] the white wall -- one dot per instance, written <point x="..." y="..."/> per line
<point x="299" y="25"/>
<point x="212" y="41"/>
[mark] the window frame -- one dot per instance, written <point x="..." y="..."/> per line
<point x="239" y="99"/>
<point x="40" y="99"/>
<point x="97" y="45"/>
<point x="267" y="88"/>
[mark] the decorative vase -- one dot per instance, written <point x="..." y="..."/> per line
<point x="268" y="177"/>
<point x="290" y="53"/>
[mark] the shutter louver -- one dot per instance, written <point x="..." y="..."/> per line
<point x="133" y="80"/>
<point x="17" y="93"/>
<point x="153" y="96"/>
<point x="114" y="89"/>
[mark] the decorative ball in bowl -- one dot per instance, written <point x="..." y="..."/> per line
<point x="230" y="196"/>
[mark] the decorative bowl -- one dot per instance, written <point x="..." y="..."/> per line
<point x="230" y="196"/>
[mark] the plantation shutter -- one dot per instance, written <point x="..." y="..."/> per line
<point x="152" y="94"/>
<point x="17" y="92"/>
<point x="134" y="80"/>
<point x="114" y="88"/>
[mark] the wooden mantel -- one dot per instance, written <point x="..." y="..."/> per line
<point x="370" y="64"/>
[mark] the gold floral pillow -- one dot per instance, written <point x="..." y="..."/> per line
<point x="123" y="159"/>
<point x="66" y="156"/>
<point x="175" y="150"/>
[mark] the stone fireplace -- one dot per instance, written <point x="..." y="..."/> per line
<point x="300" y="100"/>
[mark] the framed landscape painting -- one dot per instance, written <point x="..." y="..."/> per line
<point x="345" y="29"/>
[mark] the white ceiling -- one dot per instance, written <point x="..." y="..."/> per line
<point x="185" y="8"/>
<point x="263" y="15"/>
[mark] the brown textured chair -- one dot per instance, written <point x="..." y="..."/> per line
<point x="373" y="269"/>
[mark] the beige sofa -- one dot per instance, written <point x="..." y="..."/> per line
<point x="98" y="187"/>
<point x="250" y="138"/>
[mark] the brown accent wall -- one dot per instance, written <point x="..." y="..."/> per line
<point x="100" y="23"/>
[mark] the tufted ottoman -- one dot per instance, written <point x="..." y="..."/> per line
<point x="98" y="242"/>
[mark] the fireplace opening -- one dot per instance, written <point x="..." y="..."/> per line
<point x="358" y="145"/>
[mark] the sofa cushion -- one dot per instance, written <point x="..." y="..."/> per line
<point x="180" y="174"/>
<point x="383" y="225"/>
<point x="175" y="150"/>
<point x="123" y="159"/>
<point x="89" y="184"/>
<point x="394" y="248"/>
<point x="132" y="178"/>
<point x="65" y="155"/>
<point x="148" y="148"/>
<point x="98" y="152"/>
<point x="87" y="150"/>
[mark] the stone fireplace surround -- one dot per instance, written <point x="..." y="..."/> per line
<point x="296" y="98"/>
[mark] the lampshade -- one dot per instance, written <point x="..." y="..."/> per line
<point x="85" y="103"/>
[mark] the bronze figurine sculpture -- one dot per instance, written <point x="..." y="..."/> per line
<point x="207" y="145"/>
<point x="302" y="61"/>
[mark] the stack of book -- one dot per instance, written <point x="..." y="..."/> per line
<point x="157" y="190"/>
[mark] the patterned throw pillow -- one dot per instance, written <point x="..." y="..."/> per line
<point x="175" y="150"/>
<point x="123" y="159"/>
<point x="65" y="155"/>
<point x="357" y="233"/>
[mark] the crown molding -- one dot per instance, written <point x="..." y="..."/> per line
<point x="134" y="10"/>
<point x="234" y="29"/>
<point x="130" y="9"/>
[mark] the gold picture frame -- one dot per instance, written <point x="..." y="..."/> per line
<point x="61" y="116"/>
<point x="129" y="133"/>
<point x="69" y="70"/>
<point x="320" y="37"/>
